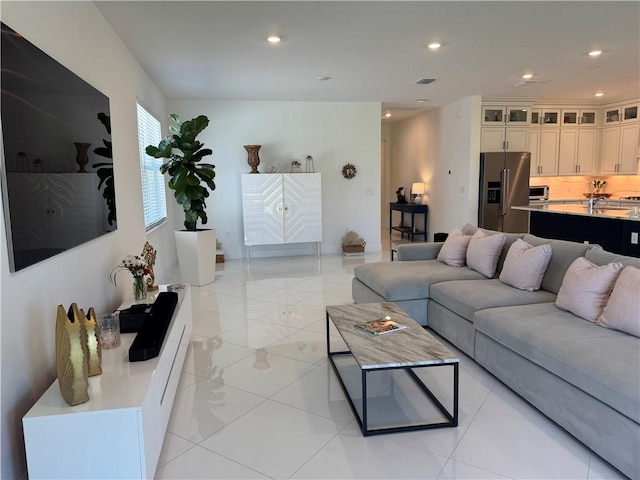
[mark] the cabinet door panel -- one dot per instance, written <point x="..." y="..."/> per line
<point x="568" y="152"/>
<point x="610" y="149"/>
<point x="612" y="115"/>
<point x="534" y="148"/>
<point x="587" y="143"/>
<point x="549" y="142"/>
<point x="629" y="149"/>
<point x="570" y="118"/>
<point x="551" y="118"/>
<point x="629" y="113"/>
<point x="517" y="139"/>
<point x="492" y="139"/>
<point x="518" y="116"/>
<point x="493" y="115"/>
<point x="302" y="208"/>
<point x="262" y="209"/>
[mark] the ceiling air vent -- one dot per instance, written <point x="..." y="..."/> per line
<point x="425" y="81"/>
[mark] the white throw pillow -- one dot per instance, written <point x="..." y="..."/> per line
<point x="525" y="265"/>
<point x="483" y="252"/>
<point x="454" y="250"/>
<point x="586" y="288"/>
<point x="623" y="308"/>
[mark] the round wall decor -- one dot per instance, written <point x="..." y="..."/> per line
<point x="349" y="171"/>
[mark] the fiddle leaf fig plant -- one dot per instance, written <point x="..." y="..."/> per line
<point x="184" y="165"/>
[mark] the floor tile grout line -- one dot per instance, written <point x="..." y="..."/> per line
<point x="231" y="459"/>
<point x="179" y="455"/>
<point x="320" y="449"/>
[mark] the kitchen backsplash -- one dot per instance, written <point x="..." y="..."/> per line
<point x="573" y="187"/>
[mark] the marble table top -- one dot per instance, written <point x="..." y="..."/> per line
<point x="411" y="347"/>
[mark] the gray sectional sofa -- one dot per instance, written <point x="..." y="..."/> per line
<point x="583" y="376"/>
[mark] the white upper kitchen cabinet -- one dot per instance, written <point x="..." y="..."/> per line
<point x="621" y="114"/>
<point x="578" y="149"/>
<point x="546" y="117"/>
<point x="544" y="148"/>
<point x="620" y="149"/>
<point x="500" y="139"/>
<point x="573" y="117"/>
<point x="506" y="115"/>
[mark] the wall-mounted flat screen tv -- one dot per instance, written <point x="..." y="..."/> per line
<point x="57" y="164"/>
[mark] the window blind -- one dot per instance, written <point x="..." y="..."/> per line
<point x="153" y="189"/>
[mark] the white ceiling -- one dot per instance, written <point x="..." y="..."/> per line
<point x="376" y="51"/>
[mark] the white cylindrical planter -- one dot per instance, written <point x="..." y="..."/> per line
<point x="197" y="256"/>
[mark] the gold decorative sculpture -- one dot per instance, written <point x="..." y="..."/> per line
<point x="149" y="256"/>
<point x="71" y="364"/>
<point x="93" y="351"/>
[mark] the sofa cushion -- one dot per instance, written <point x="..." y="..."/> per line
<point x="563" y="253"/>
<point x="525" y="265"/>
<point x="596" y="254"/>
<point x="483" y="252"/>
<point x="408" y="280"/>
<point x="622" y="311"/>
<point x="454" y="250"/>
<point x="586" y="288"/>
<point x="509" y="238"/>
<point x="465" y="297"/>
<point x="599" y="361"/>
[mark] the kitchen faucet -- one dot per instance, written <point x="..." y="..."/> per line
<point x="592" y="202"/>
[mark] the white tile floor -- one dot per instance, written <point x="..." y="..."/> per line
<point x="258" y="398"/>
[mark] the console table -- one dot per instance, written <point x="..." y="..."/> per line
<point x="119" y="432"/>
<point x="410" y="230"/>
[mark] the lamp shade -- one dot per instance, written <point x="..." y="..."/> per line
<point x="417" y="188"/>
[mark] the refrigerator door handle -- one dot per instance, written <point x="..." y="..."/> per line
<point x="505" y="190"/>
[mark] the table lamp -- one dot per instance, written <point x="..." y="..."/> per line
<point x="418" y="190"/>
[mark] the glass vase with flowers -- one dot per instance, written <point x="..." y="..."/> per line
<point x="138" y="268"/>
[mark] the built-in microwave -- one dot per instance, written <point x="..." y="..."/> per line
<point x="539" y="193"/>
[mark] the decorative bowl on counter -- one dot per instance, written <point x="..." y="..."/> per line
<point x="597" y="195"/>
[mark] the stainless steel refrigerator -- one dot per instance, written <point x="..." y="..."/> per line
<point x="504" y="182"/>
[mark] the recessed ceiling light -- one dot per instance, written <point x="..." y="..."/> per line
<point x="421" y="100"/>
<point x="323" y="79"/>
<point x="434" y="46"/>
<point x="387" y="115"/>
<point x="599" y="94"/>
<point x="527" y="76"/>
<point x="595" y="53"/>
<point x="273" y="39"/>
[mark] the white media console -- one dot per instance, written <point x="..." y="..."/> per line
<point x="119" y="432"/>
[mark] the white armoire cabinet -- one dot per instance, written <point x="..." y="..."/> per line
<point x="282" y="208"/>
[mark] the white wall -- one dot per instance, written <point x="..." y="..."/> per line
<point x="333" y="133"/>
<point x="455" y="181"/>
<point x="442" y="148"/>
<point x="387" y="194"/>
<point x="77" y="36"/>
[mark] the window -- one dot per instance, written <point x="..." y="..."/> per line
<point x="153" y="190"/>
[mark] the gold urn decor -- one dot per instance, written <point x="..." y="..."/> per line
<point x="71" y="363"/>
<point x="93" y="351"/>
<point x="254" y="159"/>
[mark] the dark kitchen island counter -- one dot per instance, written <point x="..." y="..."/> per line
<point x="611" y="228"/>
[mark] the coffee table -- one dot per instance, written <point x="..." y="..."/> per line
<point x="407" y="349"/>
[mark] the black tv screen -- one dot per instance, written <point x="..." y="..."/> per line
<point x="57" y="166"/>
